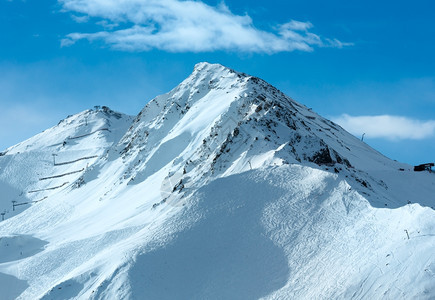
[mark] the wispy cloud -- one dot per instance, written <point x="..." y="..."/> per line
<point x="80" y="19"/>
<point x="188" y="26"/>
<point x="387" y="127"/>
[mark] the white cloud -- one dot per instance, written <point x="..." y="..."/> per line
<point x="80" y="19"/>
<point x="188" y="26"/>
<point x="387" y="127"/>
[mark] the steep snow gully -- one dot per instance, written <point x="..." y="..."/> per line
<point x="223" y="188"/>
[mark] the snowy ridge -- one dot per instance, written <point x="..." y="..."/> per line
<point x="223" y="188"/>
<point x="66" y="149"/>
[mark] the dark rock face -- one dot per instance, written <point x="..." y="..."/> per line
<point x="322" y="157"/>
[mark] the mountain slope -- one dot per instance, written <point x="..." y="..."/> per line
<point x="223" y="188"/>
<point x="33" y="169"/>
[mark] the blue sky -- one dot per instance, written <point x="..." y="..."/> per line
<point x="368" y="65"/>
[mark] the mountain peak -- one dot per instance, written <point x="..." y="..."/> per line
<point x="207" y="67"/>
<point x="223" y="166"/>
<point x="88" y="123"/>
<point x="218" y="121"/>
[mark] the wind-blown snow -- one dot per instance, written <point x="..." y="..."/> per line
<point x="224" y="188"/>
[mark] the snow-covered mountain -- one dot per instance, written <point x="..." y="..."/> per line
<point x="224" y="188"/>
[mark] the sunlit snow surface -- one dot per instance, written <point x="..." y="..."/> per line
<point x="223" y="188"/>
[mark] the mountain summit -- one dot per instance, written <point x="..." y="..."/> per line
<point x="223" y="188"/>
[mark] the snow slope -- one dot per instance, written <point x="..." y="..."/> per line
<point x="223" y="188"/>
<point x="33" y="169"/>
